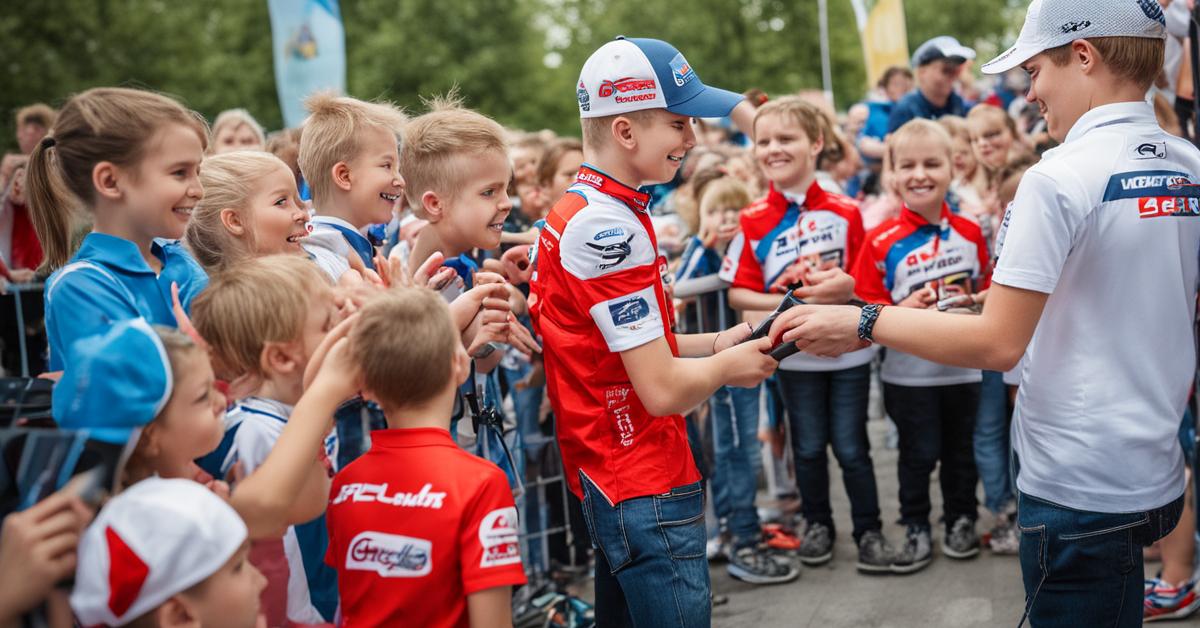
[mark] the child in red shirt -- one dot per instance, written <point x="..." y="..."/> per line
<point x="421" y="532"/>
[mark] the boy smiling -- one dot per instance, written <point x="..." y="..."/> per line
<point x="1100" y="472"/>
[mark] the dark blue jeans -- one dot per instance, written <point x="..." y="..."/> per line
<point x="936" y="424"/>
<point x="737" y="458"/>
<point x="830" y="408"/>
<point x="650" y="564"/>
<point x="991" y="442"/>
<point x="1085" y="568"/>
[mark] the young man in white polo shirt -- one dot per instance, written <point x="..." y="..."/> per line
<point x="1096" y="286"/>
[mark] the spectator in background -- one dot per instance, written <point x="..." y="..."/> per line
<point x="236" y="129"/>
<point x="33" y="122"/>
<point x="19" y="246"/>
<point x="892" y="86"/>
<point x="285" y="144"/>
<point x="939" y="63"/>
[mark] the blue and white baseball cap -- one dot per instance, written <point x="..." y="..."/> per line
<point x="1053" y="23"/>
<point x="114" y="383"/>
<point x="627" y="75"/>
<point x="941" y="48"/>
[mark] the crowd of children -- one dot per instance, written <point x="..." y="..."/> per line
<point x="331" y="357"/>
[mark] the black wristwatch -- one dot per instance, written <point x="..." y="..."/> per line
<point x="866" y="322"/>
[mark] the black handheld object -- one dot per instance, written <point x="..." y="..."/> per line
<point x="789" y="301"/>
<point x="784" y="350"/>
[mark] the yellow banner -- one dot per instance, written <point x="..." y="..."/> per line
<point x="885" y="40"/>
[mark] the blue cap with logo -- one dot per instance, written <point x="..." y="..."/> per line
<point x="115" y="383"/>
<point x="631" y="74"/>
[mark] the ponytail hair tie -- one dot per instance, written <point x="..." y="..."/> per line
<point x="48" y="142"/>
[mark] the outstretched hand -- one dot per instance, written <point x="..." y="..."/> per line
<point x="821" y="330"/>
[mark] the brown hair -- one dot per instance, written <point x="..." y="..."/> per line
<point x="548" y="165"/>
<point x="261" y="300"/>
<point x="434" y="140"/>
<point x="178" y="346"/>
<point x="891" y="73"/>
<point x="404" y="342"/>
<point x="110" y="124"/>
<point x="333" y="133"/>
<point x="1134" y="59"/>
<point x="285" y="144"/>
<point x="229" y="180"/>
<point x="37" y="113"/>
<point x="984" y="110"/>
<point x="597" y="132"/>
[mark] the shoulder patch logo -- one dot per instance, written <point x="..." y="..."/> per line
<point x="613" y="254"/>
<point x="498" y="537"/>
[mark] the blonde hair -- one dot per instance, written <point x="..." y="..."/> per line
<point x="985" y="110"/>
<point x="285" y="144"/>
<point x="1134" y="59"/>
<point x="404" y="343"/>
<point x="956" y="126"/>
<point x="333" y="133"/>
<point x="234" y="118"/>
<point x="434" y="140"/>
<point x="111" y="124"/>
<point x="597" y="132"/>
<point x="725" y="193"/>
<point x="229" y="180"/>
<point x="37" y="113"/>
<point x="920" y="130"/>
<point x="261" y="300"/>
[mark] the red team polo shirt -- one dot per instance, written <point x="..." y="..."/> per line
<point x="416" y="525"/>
<point x="600" y="292"/>
<point x="906" y="253"/>
<point x="778" y="231"/>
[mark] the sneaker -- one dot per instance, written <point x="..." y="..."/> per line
<point x="755" y="565"/>
<point x="780" y="539"/>
<point x="961" y="540"/>
<point x="1004" y="538"/>
<point x="916" y="553"/>
<point x="817" y="546"/>
<point x="875" y="554"/>
<point x="1164" y="601"/>
<point x="718" y="548"/>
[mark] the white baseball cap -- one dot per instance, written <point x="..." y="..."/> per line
<point x="632" y="74"/>
<point x="154" y="540"/>
<point x="1053" y="23"/>
<point x="939" y="48"/>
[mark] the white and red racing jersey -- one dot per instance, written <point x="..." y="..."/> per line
<point x="416" y="525"/>
<point x="782" y="233"/>
<point x="907" y="253"/>
<point x="599" y="291"/>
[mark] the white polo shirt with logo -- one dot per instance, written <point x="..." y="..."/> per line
<point x="1108" y="225"/>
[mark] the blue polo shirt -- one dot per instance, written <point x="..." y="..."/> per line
<point x="108" y="281"/>
<point x="915" y="105"/>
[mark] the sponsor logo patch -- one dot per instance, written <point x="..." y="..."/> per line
<point x="1160" y="206"/>
<point x="498" y="537"/>
<point x="617" y="400"/>
<point x="390" y="555"/>
<point x="629" y="311"/>
<point x="1145" y="183"/>
<point x="1153" y="10"/>
<point x="1150" y="150"/>
<point x="613" y="254"/>
<point x="624" y="86"/>
<point x="615" y="232"/>
<point x="585" y="101"/>
<point x="1074" y="27"/>
<point x="681" y="70"/>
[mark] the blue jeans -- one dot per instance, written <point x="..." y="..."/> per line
<point x="650" y="564"/>
<point x="991" y="442"/>
<point x="737" y="458"/>
<point x="1085" y="568"/>
<point x="830" y="408"/>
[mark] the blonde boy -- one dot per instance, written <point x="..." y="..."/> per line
<point x="350" y="159"/>
<point x="264" y="319"/>
<point x="421" y="532"/>
<point x="617" y="376"/>
<point x="1096" y="286"/>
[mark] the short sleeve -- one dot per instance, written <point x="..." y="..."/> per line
<point x="868" y="278"/>
<point x="1038" y="232"/>
<point x="81" y="302"/>
<point x="491" y="549"/>
<point x="612" y="271"/>
<point x="741" y="269"/>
